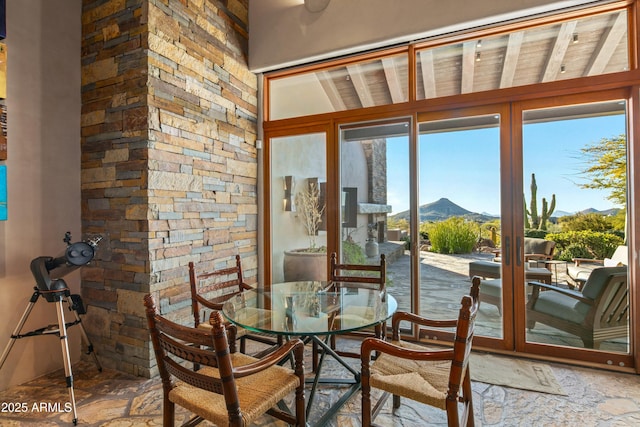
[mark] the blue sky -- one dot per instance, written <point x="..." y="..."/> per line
<point x="464" y="166"/>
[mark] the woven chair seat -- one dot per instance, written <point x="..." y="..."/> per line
<point x="255" y="392"/>
<point x="422" y="381"/>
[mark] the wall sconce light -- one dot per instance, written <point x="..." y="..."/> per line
<point x="563" y="69"/>
<point x="289" y="182"/>
<point x="477" y="56"/>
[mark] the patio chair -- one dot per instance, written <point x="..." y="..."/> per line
<point x="597" y="313"/>
<point x="491" y="292"/>
<point x="436" y="377"/>
<point x="230" y="388"/>
<point x="582" y="267"/>
<point x="210" y="290"/>
<point x="535" y="249"/>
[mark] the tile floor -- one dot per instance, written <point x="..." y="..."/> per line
<point x="112" y="399"/>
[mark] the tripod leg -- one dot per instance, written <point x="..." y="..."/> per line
<point x="86" y="340"/>
<point x="16" y="332"/>
<point x="65" y="355"/>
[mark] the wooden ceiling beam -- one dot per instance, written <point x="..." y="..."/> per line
<point x="393" y="80"/>
<point x="356" y="73"/>
<point x="514" y="44"/>
<point x="556" y="57"/>
<point x="607" y="45"/>
<point x="428" y="73"/>
<point x="468" y="66"/>
<point x="331" y="90"/>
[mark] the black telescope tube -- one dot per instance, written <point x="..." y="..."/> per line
<point x="75" y="256"/>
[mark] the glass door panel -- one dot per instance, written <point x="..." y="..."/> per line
<point x="575" y="187"/>
<point x="375" y="199"/>
<point x="298" y="214"/>
<point x="460" y="216"/>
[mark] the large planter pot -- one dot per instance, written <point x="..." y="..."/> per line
<point x="301" y="265"/>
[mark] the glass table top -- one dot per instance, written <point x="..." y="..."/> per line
<point x="309" y="308"/>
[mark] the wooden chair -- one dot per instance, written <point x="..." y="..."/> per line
<point x="230" y="388"/>
<point x="436" y="377"/>
<point x="582" y="267"/>
<point x="358" y="275"/>
<point x="598" y="312"/>
<point x="210" y="290"/>
<point x="355" y="276"/>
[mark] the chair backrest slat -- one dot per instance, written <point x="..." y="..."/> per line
<point x="371" y="274"/>
<point x="175" y="345"/>
<point x="463" y="339"/>
<point x="613" y="309"/>
<point x="209" y="288"/>
<point x="193" y="378"/>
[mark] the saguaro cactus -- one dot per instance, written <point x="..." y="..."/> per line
<point x="531" y="219"/>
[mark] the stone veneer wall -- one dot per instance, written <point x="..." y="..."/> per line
<point x="169" y="162"/>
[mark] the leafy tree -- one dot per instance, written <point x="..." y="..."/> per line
<point x="398" y="223"/>
<point x="588" y="221"/>
<point x="607" y="160"/>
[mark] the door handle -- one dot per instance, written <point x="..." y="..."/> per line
<point x="506" y="253"/>
<point x="518" y="251"/>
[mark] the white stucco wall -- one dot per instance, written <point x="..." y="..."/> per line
<point x="354" y="174"/>
<point x="43" y="168"/>
<point x="283" y="33"/>
<point x="301" y="156"/>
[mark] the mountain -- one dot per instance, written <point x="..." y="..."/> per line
<point x="606" y="212"/>
<point x="443" y="209"/>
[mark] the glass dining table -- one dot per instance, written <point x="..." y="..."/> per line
<point x="313" y="311"/>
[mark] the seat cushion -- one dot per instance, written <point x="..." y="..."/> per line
<point x="257" y="393"/>
<point x="484" y="269"/>
<point x="562" y="306"/>
<point x="422" y="381"/>
<point x="580" y="272"/>
<point x="492" y="287"/>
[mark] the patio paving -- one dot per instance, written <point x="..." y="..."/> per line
<point x="444" y="279"/>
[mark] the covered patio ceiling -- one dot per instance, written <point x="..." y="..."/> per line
<point x="583" y="47"/>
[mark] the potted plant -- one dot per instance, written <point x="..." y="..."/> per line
<point x="309" y="263"/>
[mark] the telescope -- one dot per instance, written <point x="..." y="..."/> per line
<point x="49" y="271"/>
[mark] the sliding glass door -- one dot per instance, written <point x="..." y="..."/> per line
<point x="574" y="177"/>
<point x="375" y="193"/>
<point x="460" y="207"/>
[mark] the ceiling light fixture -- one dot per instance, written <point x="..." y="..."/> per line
<point x="315" y="6"/>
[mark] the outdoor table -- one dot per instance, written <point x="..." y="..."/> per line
<point x="313" y="311"/>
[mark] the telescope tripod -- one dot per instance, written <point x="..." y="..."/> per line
<point x="75" y="305"/>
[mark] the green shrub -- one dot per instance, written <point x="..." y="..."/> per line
<point x="538" y="234"/>
<point x="588" y="221"/>
<point x="352" y="253"/>
<point x="575" y="251"/>
<point x="453" y="236"/>
<point x="407" y="243"/>
<point x="590" y="244"/>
